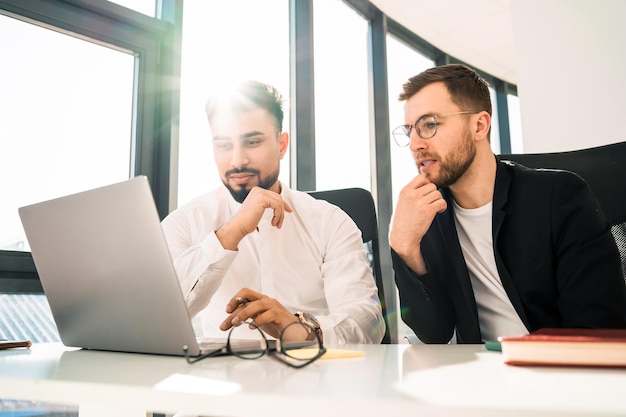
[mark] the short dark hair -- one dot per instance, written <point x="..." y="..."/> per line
<point x="466" y="87"/>
<point x="247" y="95"/>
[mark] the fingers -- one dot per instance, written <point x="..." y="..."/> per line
<point x="419" y="185"/>
<point x="260" y="199"/>
<point x="433" y="198"/>
<point x="241" y="307"/>
<point x="440" y="205"/>
<point x="280" y="207"/>
<point x="249" y="216"/>
<point x="260" y="312"/>
<point x="279" y="213"/>
<point x="243" y="296"/>
<point x="418" y="204"/>
<point x="421" y="194"/>
<point x="267" y="313"/>
<point x="417" y="182"/>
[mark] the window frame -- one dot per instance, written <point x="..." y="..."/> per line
<point x="155" y="43"/>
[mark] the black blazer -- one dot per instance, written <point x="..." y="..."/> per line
<point x="554" y="251"/>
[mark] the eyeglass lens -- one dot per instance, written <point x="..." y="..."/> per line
<point x="426" y="128"/>
<point x="293" y="345"/>
<point x="249" y="342"/>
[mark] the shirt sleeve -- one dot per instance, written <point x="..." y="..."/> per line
<point x="355" y="314"/>
<point x="200" y="266"/>
<point x="588" y="270"/>
<point x="425" y="307"/>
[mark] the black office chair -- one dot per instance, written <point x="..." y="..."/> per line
<point x="359" y="205"/>
<point x="604" y="169"/>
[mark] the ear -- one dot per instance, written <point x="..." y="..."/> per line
<point x="483" y="123"/>
<point x="283" y="141"/>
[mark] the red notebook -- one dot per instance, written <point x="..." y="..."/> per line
<point x="567" y="347"/>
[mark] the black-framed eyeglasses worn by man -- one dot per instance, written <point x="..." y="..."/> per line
<point x="247" y="341"/>
<point x="425" y="127"/>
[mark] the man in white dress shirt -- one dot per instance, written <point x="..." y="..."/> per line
<point x="287" y="255"/>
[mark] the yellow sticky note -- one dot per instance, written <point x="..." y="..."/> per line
<point x="329" y="354"/>
<point x="342" y="353"/>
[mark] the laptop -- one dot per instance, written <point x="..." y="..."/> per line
<point x="107" y="273"/>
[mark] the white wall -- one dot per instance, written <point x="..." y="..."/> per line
<point x="571" y="72"/>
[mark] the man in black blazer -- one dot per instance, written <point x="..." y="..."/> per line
<point x="490" y="248"/>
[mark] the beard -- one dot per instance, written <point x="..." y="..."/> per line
<point x="240" y="194"/>
<point x="457" y="164"/>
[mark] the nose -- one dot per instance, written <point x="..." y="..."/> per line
<point x="239" y="157"/>
<point x="416" y="142"/>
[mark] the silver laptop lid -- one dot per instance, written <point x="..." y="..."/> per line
<point x="106" y="270"/>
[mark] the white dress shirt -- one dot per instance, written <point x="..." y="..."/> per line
<point x="315" y="262"/>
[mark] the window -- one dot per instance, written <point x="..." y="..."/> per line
<point x="495" y="125"/>
<point x="88" y="92"/>
<point x="402" y="63"/>
<point x="515" y="124"/>
<point x="67" y="106"/>
<point x="342" y="127"/>
<point x="226" y="42"/>
<point x="146" y="7"/>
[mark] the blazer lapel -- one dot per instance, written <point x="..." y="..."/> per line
<point x="447" y="227"/>
<point x="500" y="199"/>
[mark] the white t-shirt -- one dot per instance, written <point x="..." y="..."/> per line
<point x="315" y="262"/>
<point x="496" y="314"/>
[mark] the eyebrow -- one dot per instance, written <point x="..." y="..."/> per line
<point x="421" y="117"/>
<point x="246" y="135"/>
<point x="251" y="134"/>
<point x="427" y="115"/>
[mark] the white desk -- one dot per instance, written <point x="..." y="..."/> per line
<point x="391" y="380"/>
